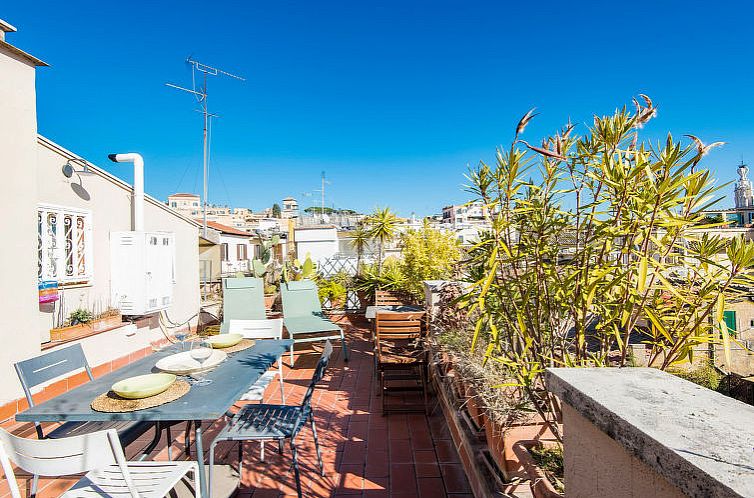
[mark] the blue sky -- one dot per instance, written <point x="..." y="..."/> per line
<point x="391" y="99"/>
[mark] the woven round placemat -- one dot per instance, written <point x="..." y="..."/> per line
<point x="244" y="344"/>
<point x="112" y="403"/>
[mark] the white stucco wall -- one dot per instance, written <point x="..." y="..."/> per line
<point x="319" y="243"/>
<point x="18" y="195"/>
<point x="109" y="200"/>
<point x="31" y="167"/>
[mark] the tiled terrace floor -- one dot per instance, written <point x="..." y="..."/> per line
<point x="365" y="454"/>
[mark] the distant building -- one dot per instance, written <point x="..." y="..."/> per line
<point x="464" y="214"/>
<point x="186" y="204"/>
<point x="236" y="248"/>
<point x="290" y="208"/>
<point x="742" y="215"/>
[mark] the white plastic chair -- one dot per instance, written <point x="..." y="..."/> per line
<point x="260" y="329"/>
<point x="100" y="454"/>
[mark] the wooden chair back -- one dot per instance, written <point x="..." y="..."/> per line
<point x="399" y="326"/>
<point x="391" y="298"/>
<point x="64" y="456"/>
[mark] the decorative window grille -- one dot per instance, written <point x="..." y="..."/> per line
<point x="64" y="244"/>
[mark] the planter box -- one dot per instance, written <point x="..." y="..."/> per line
<point x="474" y="407"/>
<point x="85" y="329"/>
<point x="269" y="301"/>
<point x="541" y="487"/>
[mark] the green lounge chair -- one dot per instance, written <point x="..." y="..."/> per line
<point x="243" y="299"/>
<point x="302" y="314"/>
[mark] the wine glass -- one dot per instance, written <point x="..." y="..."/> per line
<point x="201" y="351"/>
<point x="181" y="335"/>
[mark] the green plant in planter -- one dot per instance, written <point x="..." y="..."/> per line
<point x="295" y="270"/>
<point x="605" y="239"/>
<point x="389" y="276"/>
<point x="332" y="290"/>
<point x="262" y="266"/>
<point x="550" y="460"/>
<point x="80" y="315"/>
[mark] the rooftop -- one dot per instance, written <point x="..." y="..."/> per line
<point x="365" y="453"/>
<point x="226" y="229"/>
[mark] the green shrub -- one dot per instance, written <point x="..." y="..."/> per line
<point x="704" y="375"/>
<point x="550" y="460"/>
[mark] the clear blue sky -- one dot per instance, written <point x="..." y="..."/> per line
<point x="392" y="98"/>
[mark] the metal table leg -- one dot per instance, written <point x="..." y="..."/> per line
<point x="200" y="459"/>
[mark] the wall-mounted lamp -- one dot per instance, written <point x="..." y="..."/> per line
<point x="69" y="169"/>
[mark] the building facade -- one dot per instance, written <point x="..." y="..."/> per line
<point x="65" y="210"/>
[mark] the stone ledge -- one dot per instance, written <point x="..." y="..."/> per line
<point x="699" y="440"/>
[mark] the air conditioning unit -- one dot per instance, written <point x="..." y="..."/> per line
<point x="142" y="271"/>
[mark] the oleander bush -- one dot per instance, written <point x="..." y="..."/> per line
<point x="595" y="244"/>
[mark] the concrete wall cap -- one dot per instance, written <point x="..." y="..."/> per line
<point x="699" y="440"/>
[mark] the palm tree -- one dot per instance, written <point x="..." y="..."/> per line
<point x="383" y="226"/>
<point x="359" y="240"/>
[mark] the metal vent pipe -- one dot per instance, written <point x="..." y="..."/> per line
<point x="138" y="198"/>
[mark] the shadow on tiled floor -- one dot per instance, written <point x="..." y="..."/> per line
<point x="365" y="454"/>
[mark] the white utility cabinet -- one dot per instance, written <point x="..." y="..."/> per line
<point x="142" y="271"/>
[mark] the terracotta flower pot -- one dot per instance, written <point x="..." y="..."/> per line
<point x="475" y="407"/>
<point x="541" y="487"/>
<point x="269" y="301"/>
<point x="495" y="435"/>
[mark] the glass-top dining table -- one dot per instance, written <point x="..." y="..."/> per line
<point x="203" y="403"/>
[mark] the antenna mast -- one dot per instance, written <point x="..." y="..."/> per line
<point x="322" y="212"/>
<point x="201" y="95"/>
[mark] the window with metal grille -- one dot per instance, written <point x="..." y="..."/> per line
<point x="64" y="244"/>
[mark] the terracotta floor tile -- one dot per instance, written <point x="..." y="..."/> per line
<point x="365" y="453"/>
<point x="431" y="486"/>
<point x="454" y="478"/>
<point x="402" y="478"/>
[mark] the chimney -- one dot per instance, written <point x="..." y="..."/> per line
<point x="5" y="28"/>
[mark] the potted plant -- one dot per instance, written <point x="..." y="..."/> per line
<point x="333" y="292"/>
<point x="605" y="237"/>
<point x="389" y="276"/>
<point x="268" y="269"/>
<point x="82" y="322"/>
<point x="543" y="463"/>
<point x="108" y="319"/>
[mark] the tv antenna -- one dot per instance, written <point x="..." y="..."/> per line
<point x="201" y="94"/>
<point x="322" y="192"/>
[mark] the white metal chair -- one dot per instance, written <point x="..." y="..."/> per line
<point x="260" y="329"/>
<point x="100" y="454"/>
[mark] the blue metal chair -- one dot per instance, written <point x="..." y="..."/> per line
<point x="275" y="422"/>
<point x="36" y="371"/>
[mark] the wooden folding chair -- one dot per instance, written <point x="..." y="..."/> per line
<point x="400" y="353"/>
<point x="391" y="298"/>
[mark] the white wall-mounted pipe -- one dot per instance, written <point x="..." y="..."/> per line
<point x="138" y="199"/>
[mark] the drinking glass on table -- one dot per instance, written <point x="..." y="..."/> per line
<point x="181" y="335"/>
<point x="201" y="351"/>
